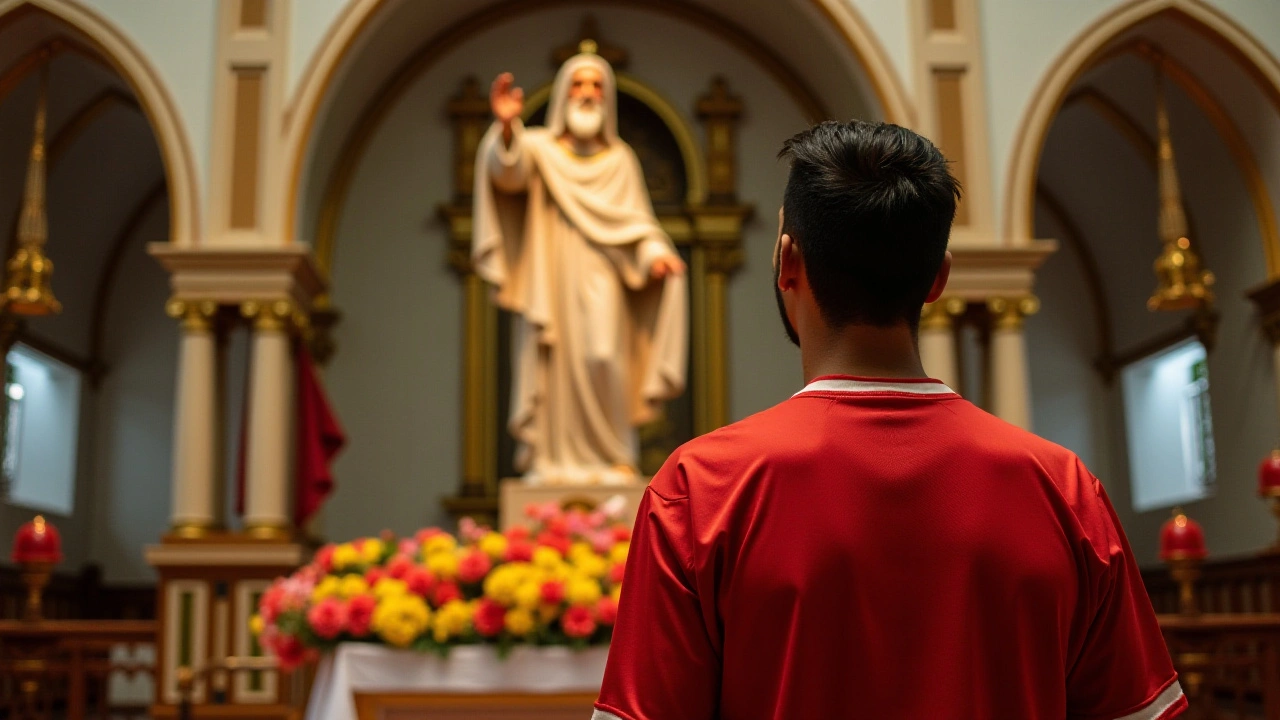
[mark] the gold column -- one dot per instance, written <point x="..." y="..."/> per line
<point x="269" y="435"/>
<point x="196" y="506"/>
<point x="717" y="254"/>
<point x="1010" y="380"/>
<point x="938" y="340"/>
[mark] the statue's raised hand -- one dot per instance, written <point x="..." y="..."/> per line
<point x="506" y="101"/>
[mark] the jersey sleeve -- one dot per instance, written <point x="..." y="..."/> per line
<point x="662" y="662"/>
<point x="1122" y="670"/>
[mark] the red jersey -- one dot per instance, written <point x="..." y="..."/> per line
<point x="882" y="549"/>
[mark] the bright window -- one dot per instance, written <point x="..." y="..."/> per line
<point x="1170" y="429"/>
<point x="41" y="427"/>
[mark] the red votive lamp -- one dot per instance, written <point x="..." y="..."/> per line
<point x="1269" y="485"/>
<point x="36" y="549"/>
<point x="1182" y="547"/>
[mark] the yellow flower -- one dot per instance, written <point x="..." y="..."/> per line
<point x="256" y="625"/>
<point x="329" y="586"/>
<point x="501" y="585"/>
<point x="546" y="558"/>
<point x="345" y="556"/>
<point x="561" y="571"/>
<point x="528" y="595"/>
<point x="519" y="622"/>
<point x="390" y="588"/>
<point x="439" y="544"/>
<point x="579" y="549"/>
<point x="371" y="551"/>
<point x="548" y="613"/>
<point x="494" y="545"/>
<point x="352" y="585"/>
<point x="618" y="553"/>
<point x="582" y="591"/>
<point x="452" y="620"/>
<point x="616" y="593"/>
<point x="591" y="565"/>
<point x="401" y="619"/>
<point x="443" y="565"/>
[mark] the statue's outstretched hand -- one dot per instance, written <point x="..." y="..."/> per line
<point x="506" y="101"/>
<point x="666" y="266"/>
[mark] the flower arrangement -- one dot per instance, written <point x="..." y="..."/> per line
<point x="556" y="583"/>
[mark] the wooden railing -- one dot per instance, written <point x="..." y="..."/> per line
<point x="62" y="668"/>
<point x="1229" y="586"/>
<point x="79" y="596"/>
<point x="1229" y="665"/>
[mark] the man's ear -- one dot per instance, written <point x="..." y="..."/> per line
<point x="940" y="280"/>
<point x="790" y="264"/>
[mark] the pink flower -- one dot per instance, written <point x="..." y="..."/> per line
<point x="576" y="523"/>
<point x="552" y="592"/>
<point x="399" y="566"/>
<point x="470" y="531"/>
<point x="601" y="542"/>
<point x="542" y="512"/>
<point x="327" y="618"/>
<point x="519" y="551"/>
<point x="373" y="575"/>
<point x="420" y="581"/>
<point x="490" y="618"/>
<point x="408" y="546"/>
<point x="473" y="566"/>
<point x="324" y="558"/>
<point x="577" y="622"/>
<point x="607" y="610"/>
<point x="444" y="592"/>
<point x="596" y="520"/>
<point x="360" y="614"/>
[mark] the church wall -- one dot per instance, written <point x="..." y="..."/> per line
<point x="132" y="422"/>
<point x="395" y="379"/>
<point x="177" y="39"/>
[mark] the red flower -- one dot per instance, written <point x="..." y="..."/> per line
<point x="428" y="533"/>
<point x="558" y="526"/>
<point x="621" y="533"/>
<point x="399" y="566"/>
<point x="553" y="540"/>
<point x="519" y="550"/>
<point x="517" y="532"/>
<point x="615" y="572"/>
<point x="269" y="605"/>
<point x="444" y="592"/>
<point x="552" y="592"/>
<point x="327" y="618"/>
<point x="473" y="566"/>
<point x="607" y="610"/>
<point x="420" y="581"/>
<point x="290" y="652"/>
<point x="490" y="618"/>
<point x="373" y="575"/>
<point x="360" y="614"/>
<point x="324" y="558"/>
<point x="577" y="622"/>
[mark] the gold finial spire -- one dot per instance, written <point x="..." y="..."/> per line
<point x="27" y="291"/>
<point x="588" y="46"/>
<point x="1181" y="282"/>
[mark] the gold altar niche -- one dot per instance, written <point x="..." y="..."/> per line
<point x="694" y="194"/>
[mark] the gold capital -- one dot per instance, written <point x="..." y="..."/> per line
<point x="196" y="316"/>
<point x="1008" y="313"/>
<point x="271" y="315"/>
<point x="941" y="315"/>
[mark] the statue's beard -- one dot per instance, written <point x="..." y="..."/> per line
<point x="585" y="119"/>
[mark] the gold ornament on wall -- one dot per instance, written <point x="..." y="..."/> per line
<point x="1182" y="283"/>
<point x="27" y="289"/>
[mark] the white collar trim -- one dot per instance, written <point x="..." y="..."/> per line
<point x="848" y="385"/>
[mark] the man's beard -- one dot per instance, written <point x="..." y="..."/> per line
<point x="584" y="119"/>
<point x="782" y="308"/>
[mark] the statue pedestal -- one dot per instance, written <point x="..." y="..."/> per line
<point x="514" y="495"/>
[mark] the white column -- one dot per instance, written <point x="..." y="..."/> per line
<point x="938" y="340"/>
<point x="195" y="509"/>
<point x="269" y="436"/>
<point x="1010" y="380"/>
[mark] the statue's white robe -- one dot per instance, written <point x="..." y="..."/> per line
<point x="568" y="242"/>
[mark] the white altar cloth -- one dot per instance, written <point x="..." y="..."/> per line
<point x="359" y="667"/>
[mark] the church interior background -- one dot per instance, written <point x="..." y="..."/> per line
<point x="226" y="179"/>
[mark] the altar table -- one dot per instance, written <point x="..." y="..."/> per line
<point x="371" y="682"/>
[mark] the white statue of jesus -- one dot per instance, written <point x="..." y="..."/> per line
<point x="565" y="231"/>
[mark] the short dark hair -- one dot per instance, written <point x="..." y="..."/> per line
<point x="870" y="205"/>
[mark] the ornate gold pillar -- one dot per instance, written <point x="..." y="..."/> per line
<point x="1010" y="380"/>
<point x="938" y="340"/>
<point x="269" y="436"/>
<point x="717" y="254"/>
<point x="196" y="506"/>
<point x="1267" y="299"/>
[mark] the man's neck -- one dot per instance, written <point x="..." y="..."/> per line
<point x="583" y="148"/>
<point x="862" y="351"/>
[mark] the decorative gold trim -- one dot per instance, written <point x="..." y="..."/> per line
<point x="272" y="316"/>
<point x="386" y="98"/>
<point x="1009" y="313"/>
<point x="1090" y="47"/>
<point x="195" y="316"/>
<point x="191" y="530"/>
<point x="272" y="532"/>
<point x="941" y="315"/>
